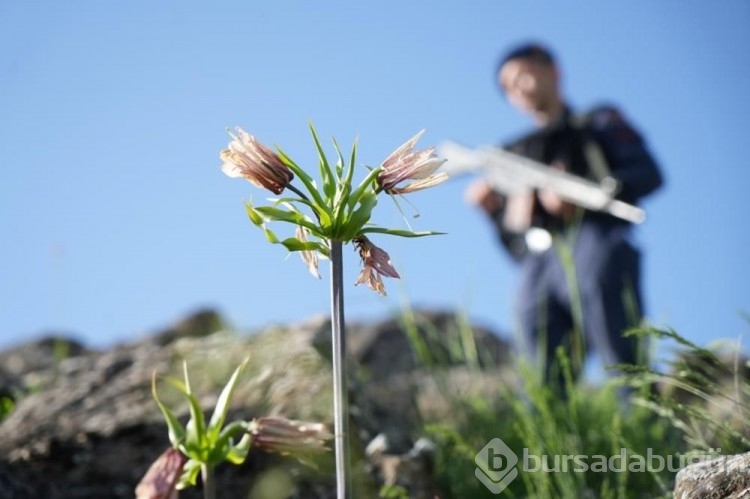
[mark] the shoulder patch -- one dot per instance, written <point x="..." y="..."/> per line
<point x="609" y="121"/>
<point x="604" y="116"/>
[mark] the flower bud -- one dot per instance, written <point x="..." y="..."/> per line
<point x="376" y="262"/>
<point x="247" y="158"/>
<point x="285" y="436"/>
<point x="160" y="481"/>
<point x="407" y="164"/>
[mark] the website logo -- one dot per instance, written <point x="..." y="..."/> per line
<point x="496" y="466"/>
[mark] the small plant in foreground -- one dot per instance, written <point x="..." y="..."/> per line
<point x="199" y="446"/>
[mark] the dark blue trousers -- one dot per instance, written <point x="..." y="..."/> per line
<point x="602" y="277"/>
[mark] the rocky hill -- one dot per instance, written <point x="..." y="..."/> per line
<point x="83" y="423"/>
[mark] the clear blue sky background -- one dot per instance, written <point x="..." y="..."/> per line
<point x="116" y="219"/>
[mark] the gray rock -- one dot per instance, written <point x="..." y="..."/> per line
<point x="726" y="477"/>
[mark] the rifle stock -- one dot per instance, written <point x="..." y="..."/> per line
<point x="511" y="173"/>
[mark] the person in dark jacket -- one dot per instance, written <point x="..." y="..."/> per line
<point x="580" y="272"/>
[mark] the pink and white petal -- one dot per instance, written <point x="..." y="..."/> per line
<point x="231" y="170"/>
<point x="427" y="168"/>
<point x="381" y="261"/>
<point x="405" y="148"/>
<point x="364" y="276"/>
<point x="421" y="184"/>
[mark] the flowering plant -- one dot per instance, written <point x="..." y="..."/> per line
<point x="199" y="446"/>
<point x="326" y="217"/>
<point x="338" y="210"/>
<point x="205" y="445"/>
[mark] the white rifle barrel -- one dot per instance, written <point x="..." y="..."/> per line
<point x="510" y="173"/>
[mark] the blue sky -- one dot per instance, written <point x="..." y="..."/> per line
<point x="117" y="221"/>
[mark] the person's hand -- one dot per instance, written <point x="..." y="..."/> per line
<point x="553" y="203"/>
<point x="479" y="193"/>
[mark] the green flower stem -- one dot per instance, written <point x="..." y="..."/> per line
<point x="340" y="398"/>
<point x="209" y="484"/>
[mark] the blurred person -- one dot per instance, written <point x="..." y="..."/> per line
<point x="592" y="299"/>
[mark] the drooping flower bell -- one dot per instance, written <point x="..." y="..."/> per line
<point x="309" y="257"/>
<point x="247" y="158"/>
<point x="286" y="436"/>
<point x="160" y="481"/>
<point x="376" y="262"/>
<point x="407" y="164"/>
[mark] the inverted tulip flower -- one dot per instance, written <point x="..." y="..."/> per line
<point x="247" y="158"/>
<point x="407" y="164"/>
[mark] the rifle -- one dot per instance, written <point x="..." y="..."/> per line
<point x="510" y="173"/>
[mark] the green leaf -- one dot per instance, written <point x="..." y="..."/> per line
<point x="222" y="404"/>
<point x="340" y="204"/>
<point x="176" y="430"/>
<point x="366" y="185"/>
<point x="195" y="430"/>
<point x="238" y="453"/>
<point x="359" y="217"/>
<point x="193" y="441"/>
<point x="299" y="172"/>
<point x="189" y="477"/>
<point x="294" y="244"/>
<point x="339" y="161"/>
<point x="352" y="160"/>
<point x="317" y="199"/>
<point x="326" y="175"/>
<point x="278" y="215"/>
<point x="218" y="452"/>
<point x="322" y="215"/>
<point x="224" y="443"/>
<point x="294" y="216"/>
<point x="255" y="218"/>
<point x="344" y="197"/>
<point x="187" y="389"/>
<point x="398" y="232"/>
<point x="270" y="236"/>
